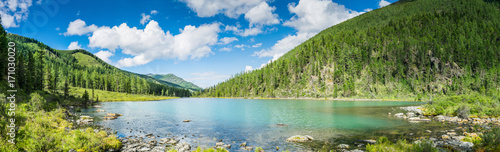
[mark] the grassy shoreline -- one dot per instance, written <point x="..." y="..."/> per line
<point x="332" y="99"/>
<point x="108" y="96"/>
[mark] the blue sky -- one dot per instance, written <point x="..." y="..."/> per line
<point x="202" y="41"/>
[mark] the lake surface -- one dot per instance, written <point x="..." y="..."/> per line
<point x="252" y="121"/>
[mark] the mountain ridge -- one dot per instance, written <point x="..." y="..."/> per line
<point x="409" y="49"/>
<point x="172" y="78"/>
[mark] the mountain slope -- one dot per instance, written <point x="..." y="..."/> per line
<point x="409" y="49"/>
<point x="176" y="80"/>
<point x="44" y="68"/>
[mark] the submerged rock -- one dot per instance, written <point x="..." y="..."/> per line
<point x="300" y="138"/>
<point x="399" y="115"/>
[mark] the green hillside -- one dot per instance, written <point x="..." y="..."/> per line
<point x="407" y="50"/>
<point x="85" y="60"/>
<point x="43" y="68"/>
<point x="176" y="80"/>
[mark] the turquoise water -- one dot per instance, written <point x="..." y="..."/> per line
<point x="247" y="120"/>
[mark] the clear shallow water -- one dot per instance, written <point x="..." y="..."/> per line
<point x="247" y="120"/>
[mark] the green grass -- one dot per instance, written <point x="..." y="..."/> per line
<point x="109" y="96"/>
<point x="41" y="130"/>
<point x="86" y="60"/>
<point x="473" y="105"/>
<point x="384" y="145"/>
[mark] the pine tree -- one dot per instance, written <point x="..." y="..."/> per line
<point x="3" y="51"/>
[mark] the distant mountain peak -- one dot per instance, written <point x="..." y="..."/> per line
<point x="172" y="78"/>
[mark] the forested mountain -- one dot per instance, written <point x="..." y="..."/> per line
<point x="407" y="50"/>
<point x="40" y="67"/>
<point x="176" y="80"/>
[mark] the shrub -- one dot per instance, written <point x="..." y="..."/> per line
<point x="490" y="140"/>
<point x="463" y="111"/>
<point x="37" y="102"/>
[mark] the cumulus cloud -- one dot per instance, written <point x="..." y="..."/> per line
<point x="383" y="3"/>
<point x="74" y="46"/>
<point x="241" y="46"/>
<point x="227" y="40"/>
<point x="14" y="11"/>
<point x="284" y="45"/>
<point x="145" y="18"/>
<point x="79" y="27"/>
<point x="225" y="49"/>
<point x="248" y="68"/>
<point x="262" y="14"/>
<point x="310" y="17"/>
<point x="150" y="43"/>
<point x="313" y="16"/>
<point x="104" y="55"/>
<point x="257" y="12"/>
<point x="244" y="32"/>
<point x="230" y="8"/>
<point x="257" y="45"/>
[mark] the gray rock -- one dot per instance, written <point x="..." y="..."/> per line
<point x="247" y="148"/>
<point x="399" y="115"/>
<point x="183" y="147"/>
<point x="343" y="146"/>
<point x="300" y="138"/>
<point x="145" y="149"/>
<point x="410" y="114"/>
<point x="370" y="141"/>
<point x="466" y="145"/>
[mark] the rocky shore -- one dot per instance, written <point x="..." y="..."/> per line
<point x="457" y="138"/>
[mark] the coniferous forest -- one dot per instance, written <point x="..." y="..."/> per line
<point x="408" y="50"/>
<point x="43" y="68"/>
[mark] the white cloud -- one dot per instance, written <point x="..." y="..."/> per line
<point x="231" y="28"/>
<point x="262" y="14"/>
<point x="257" y="45"/>
<point x="383" y="3"/>
<point x="79" y="27"/>
<point x="244" y="33"/>
<point x="227" y="40"/>
<point x="150" y="43"/>
<point x="153" y="12"/>
<point x="248" y="68"/>
<point x="39" y="2"/>
<point x="207" y="79"/>
<point x="284" y="45"/>
<point x="57" y="29"/>
<point x="239" y="46"/>
<point x="226" y="49"/>
<point x="250" y="32"/>
<point x="368" y="9"/>
<point x="230" y="8"/>
<point x="104" y="55"/>
<point x="78" y="13"/>
<point x="14" y="11"/>
<point x="145" y="18"/>
<point x="311" y="17"/>
<point x="74" y="46"/>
